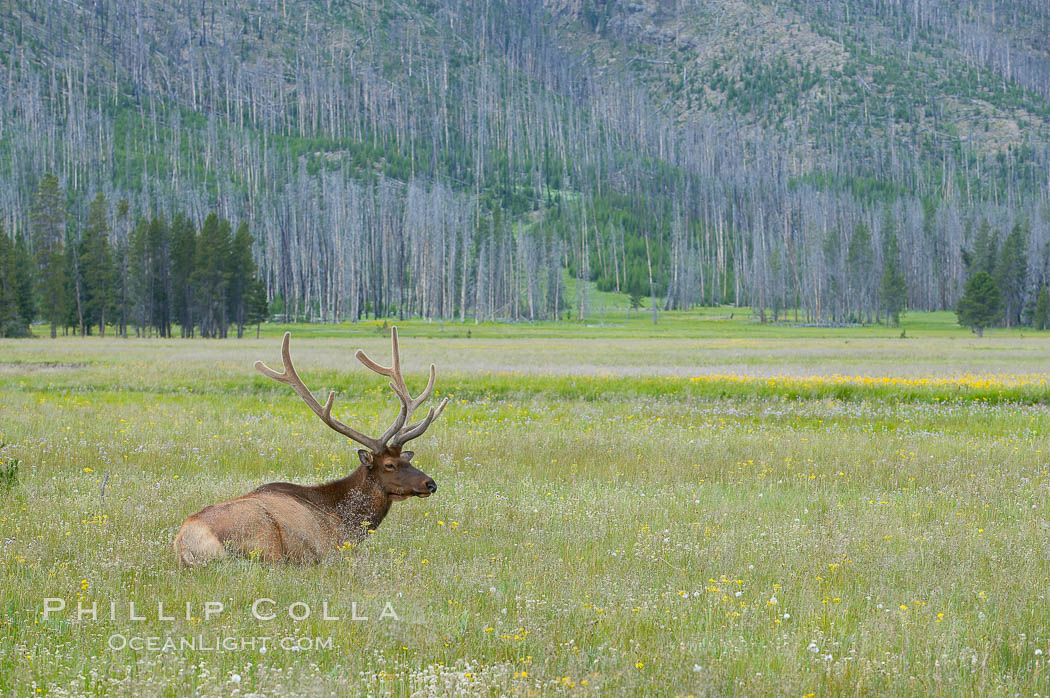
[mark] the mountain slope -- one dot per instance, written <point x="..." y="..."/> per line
<point x="449" y="159"/>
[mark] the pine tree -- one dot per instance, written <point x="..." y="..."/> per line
<point x="1041" y="314"/>
<point x="11" y="323"/>
<point x="122" y="264"/>
<point x="240" y="273"/>
<point x="985" y="254"/>
<point x="48" y="223"/>
<point x="151" y="276"/>
<point x="160" y="256"/>
<point x="210" y="276"/>
<point x="96" y="264"/>
<point x="25" y="295"/>
<point x="184" y="255"/>
<point x="256" y="309"/>
<point x="1011" y="274"/>
<point x="75" y="289"/>
<point x="979" y="306"/>
<point x="634" y="299"/>
<point x="140" y="278"/>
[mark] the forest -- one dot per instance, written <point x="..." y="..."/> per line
<point x="157" y="274"/>
<point x="466" y="159"/>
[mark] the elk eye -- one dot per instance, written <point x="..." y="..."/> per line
<point x="388" y="466"/>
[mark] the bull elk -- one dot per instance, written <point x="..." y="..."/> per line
<point x="283" y="521"/>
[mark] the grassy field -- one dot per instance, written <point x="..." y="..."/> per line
<point x="706" y="507"/>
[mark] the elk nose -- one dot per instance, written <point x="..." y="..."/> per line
<point x="432" y="486"/>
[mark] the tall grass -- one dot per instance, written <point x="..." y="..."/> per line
<point x="664" y="534"/>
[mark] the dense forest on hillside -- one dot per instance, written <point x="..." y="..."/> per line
<point x="460" y="158"/>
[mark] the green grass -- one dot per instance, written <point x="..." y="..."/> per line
<point x="601" y="517"/>
<point x="609" y="317"/>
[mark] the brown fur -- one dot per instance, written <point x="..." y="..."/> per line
<point x="284" y="521"/>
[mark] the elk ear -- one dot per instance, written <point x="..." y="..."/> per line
<point x="366" y="457"/>
<point x="407" y="455"/>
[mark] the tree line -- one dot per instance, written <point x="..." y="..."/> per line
<point x="149" y="276"/>
<point x="155" y="274"/>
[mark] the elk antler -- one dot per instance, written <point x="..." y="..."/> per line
<point x="397" y="431"/>
<point x="291" y="378"/>
<point x="400" y="433"/>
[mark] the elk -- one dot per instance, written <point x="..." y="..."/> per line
<point x="283" y="521"/>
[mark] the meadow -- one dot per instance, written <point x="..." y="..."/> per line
<point x="704" y="507"/>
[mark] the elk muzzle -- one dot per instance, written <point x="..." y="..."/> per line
<point x="426" y="488"/>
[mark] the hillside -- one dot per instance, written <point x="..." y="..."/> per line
<point x="456" y="159"/>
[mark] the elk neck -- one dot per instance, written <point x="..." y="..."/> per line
<point x="356" y="499"/>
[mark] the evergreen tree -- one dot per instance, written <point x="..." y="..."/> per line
<point x="8" y="305"/>
<point x="122" y="265"/>
<point x="210" y="276"/>
<point x="980" y="305"/>
<point x="1041" y="314"/>
<point x="96" y="263"/>
<point x="150" y="285"/>
<point x="25" y="294"/>
<point x="184" y="255"/>
<point x="75" y="289"/>
<point x="240" y="273"/>
<point x="985" y="253"/>
<point x="256" y="309"/>
<point x="12" y="324"/>
<point x="159" y="241"/>
<point x="893" y="289"/>
<point x="140" y="280"/>
<point x="634" y="298"/>
<point x="48" y="224"/>
<point x="1011" y="274"/>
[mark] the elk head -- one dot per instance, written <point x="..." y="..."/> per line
<point x="395" y="474"/>
<point x="387" y="465"/>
